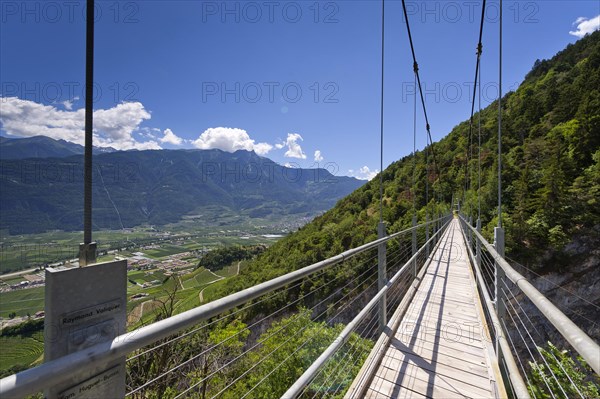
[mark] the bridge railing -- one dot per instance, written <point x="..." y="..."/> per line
<point x="395" y="290"/>
<point x="262" y="338"/>
<point x="529" y="329"/>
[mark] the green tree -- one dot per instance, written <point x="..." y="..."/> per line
<point x="561" y="377"/>
<point x="289" y="347"/>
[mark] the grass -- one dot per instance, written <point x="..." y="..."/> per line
<point x="197" y="279"/>
<point x="23" y="257"/>
<point x="22" y="301"/>
<point x="164" y="250"/>
<point x="20" y="350"/>
<point x="209" y="292"/>
<point x="230" y="270"/>
<point x="146" y="276"/>
<point x="190" y="301"/>
<point x="12" y="280"/>
<point x="188" y="297"/>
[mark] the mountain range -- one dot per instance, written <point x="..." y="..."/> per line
<point x="42" y="147"/>
<point x="155" y="187"/>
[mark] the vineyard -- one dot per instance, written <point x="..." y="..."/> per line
<point x="22" y="302"/>
<point x="21" y="351"/>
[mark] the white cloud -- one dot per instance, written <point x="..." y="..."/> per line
<point x="113" y="127"/>
<point x="364" y="173"/>
<point x="68" y="104"/>
<point x="294" y="150"/>
<point x="585" y="26"/>
<point x="171" y="138"/>
<point x="262" y="148"/>
<point x="230" y="140"/>
<point x="149" y="133"/>
<point x="318" y="156"/>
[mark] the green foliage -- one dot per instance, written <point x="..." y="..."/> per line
<point x="550" y="176"/>
<point x="221" y="366"/>
<point x="25" y="329"/>
<point x="288" y="347"/>
<point x="222" y="359"/>
<point x="571" y="379"/>
<point x="218" y="258"/>
<point x="557" y="237"/>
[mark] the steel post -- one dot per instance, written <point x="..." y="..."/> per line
<point x="382" y="275"/>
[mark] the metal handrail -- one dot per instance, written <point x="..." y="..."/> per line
<point x="519" y="387"/>
<point x="59" y="370"/>
<point x="581" y="342"/>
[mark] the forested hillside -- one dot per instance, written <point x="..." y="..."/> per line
<point x="550" y="178"/>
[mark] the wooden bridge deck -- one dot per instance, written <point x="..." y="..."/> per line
<point x="441" y="348"/>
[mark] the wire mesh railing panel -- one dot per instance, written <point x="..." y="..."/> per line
<point x="248" y="351"/>
<point x="567" y="294"/>
<point x="539" y="337"/>
<point x="338" y="372"/>
<point x="550" y="365"/>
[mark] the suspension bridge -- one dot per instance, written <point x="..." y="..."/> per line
<point x="442" y="346"/>
<point x="430" y="311"/>
<point x="462" y="323"/>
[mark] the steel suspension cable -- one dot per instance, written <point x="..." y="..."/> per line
<point x="89" y="125"/>
<point x="416" y="70"/>
<point x="479" y="149"/>
<point x="426" y="182"/>
<point x="475" y="86"/>
<point x="381" y="112"/>
<point x="500" y="123"/>
<point x="478" y="76"/>
<point x="414" y="147"/>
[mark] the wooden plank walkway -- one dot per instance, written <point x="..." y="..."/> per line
<point x="441" y="348"/>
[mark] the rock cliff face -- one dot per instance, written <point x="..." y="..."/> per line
<point x="575" y="290"/>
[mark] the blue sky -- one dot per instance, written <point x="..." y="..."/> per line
<point x="285" y="78"/>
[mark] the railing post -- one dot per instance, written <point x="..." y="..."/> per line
<point x="414" y="244"/>
<point x="382" y="275"/>
<point x="478" y="245"/>
<point x="469" y="232"/>
<point x="427" y="233"/>
<point x="499" y="280"/>
<point x="435" y="230"/>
